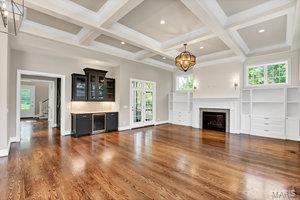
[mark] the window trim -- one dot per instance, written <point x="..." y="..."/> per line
<point x="177" y="82"/>
<point x="265" y="65"/>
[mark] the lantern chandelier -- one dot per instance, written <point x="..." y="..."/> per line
<point x="185" y="60"/>
<point x="12" y="13"/>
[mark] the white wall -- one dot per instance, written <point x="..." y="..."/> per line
<point x="4" y="62"/>
<point x="217" y="81"/>
<point x="163" y="81"/>
<point x="67" y="66"/>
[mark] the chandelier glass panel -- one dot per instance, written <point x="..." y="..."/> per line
<point x="12" y="14"/>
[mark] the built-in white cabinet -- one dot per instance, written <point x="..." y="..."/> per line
<point x="271" y="112"/>
<point x="180" y="108"/>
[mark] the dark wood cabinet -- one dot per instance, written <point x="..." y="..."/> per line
<point x="81" y="124"/>
<point x="79" y="87"/>
<point x="93" y="86"/>
<point x="111" y="121"/>
<point x="92" y="123"/>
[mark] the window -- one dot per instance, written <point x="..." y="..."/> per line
<point x="185" y="82"/>
<point x="269" y="74"/>
<point x="25" y="99"/>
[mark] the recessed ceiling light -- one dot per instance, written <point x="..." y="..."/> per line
<point x="164" y="58"/>
<point x="201" y="47"/>
<point x="162" y="22"/>
<point x="261" y="30"/>
<point x="122" y="42"/>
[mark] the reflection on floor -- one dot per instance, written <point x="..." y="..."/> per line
<point x="160" y="162"/>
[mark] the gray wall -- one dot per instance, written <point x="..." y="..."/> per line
<point x="67" y="66"/>
<point x="163" y="81"/>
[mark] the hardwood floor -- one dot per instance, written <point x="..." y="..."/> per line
<point x="162" y="162"/>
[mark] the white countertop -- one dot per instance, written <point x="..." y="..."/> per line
<point x="92" y="112"/>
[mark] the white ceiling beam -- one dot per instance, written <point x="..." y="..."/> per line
<point x="50" y="33"/>
<point x="202" y="9"/>
<point x="296" y="36"/>
<point x="65" y="10"/>
<point x="144" y="54"/>
<point x="238" y="39"/>
<point x="219" y="61"/>
<point x="190" y="38"/>
<point x="264" y="12"/>
<point x="109" y="13"/>
<point x="225" y="53"/>
<point x="290" y="26"/>
<point x="270" y="49"/>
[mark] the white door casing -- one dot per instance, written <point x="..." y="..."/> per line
<point x="141" y="112"/>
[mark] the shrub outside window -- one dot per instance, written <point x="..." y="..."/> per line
<point x="185" y="82"/>
<point x="269" y="74"/>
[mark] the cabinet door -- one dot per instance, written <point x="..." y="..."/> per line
<point x="245" y="124"/>
<point x="110" y="89"/>
<point x="79" y="87"/>
<point x="83" y="124"/>
<point x="93" y="84"/>
<point x="292" y="129"/>
<point x="100" y="88"/>
<point x="112" y="121"/>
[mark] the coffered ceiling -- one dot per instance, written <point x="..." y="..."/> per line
<point x="154" y="31"/>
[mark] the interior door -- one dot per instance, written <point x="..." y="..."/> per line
<point x="27" y="101"/>
<point x="142" y="103"/>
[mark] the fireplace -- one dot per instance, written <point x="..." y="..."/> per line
<point x="214" y="121"/>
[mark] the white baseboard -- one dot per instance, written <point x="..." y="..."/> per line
<point x="4" y="152"/>
<point x="14" y="139"/>
<point x="123" y="128"/>
<point x="66" y="133"/>
<point x="161" y="122"/>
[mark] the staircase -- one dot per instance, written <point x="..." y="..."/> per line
<point x="44" y="109"/>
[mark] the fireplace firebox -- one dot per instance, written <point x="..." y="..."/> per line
<point x="214" y="121"/>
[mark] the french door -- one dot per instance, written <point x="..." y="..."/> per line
<point x="142" y="103"/>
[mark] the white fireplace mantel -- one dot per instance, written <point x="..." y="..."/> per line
<point x="232" y="104"/>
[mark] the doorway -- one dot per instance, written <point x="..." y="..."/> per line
<point x="142" y="103"/>
<point x="47" y="107"/>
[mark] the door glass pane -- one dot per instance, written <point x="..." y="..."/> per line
<point x="93" y="90"/>
<point x="25" y="99"/>
<point x="101" y="90"/>
<point x="137" y="106"/>
<point x="136" y="84"/>
<point x="80" y="87"/>
<point x="149" y="85"/>
<point x="149" y="106"/>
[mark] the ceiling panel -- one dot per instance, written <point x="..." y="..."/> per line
<point x="146" y="18"/>
<point x="117" y="43"/>
<point x="48" y="20"/>
<point x="164" y="59"/>
<point x="231" y="7"/>
<point x="210" y="46"/>
<point x="93" y="5"/>
<point x="275" y="33"/>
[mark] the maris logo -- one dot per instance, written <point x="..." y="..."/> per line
<point x="287" y="194"/>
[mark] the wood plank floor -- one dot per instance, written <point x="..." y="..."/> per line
<point x="162" y="162"/>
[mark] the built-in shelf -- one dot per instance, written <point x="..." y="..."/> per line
<point x="280" y="107"/>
